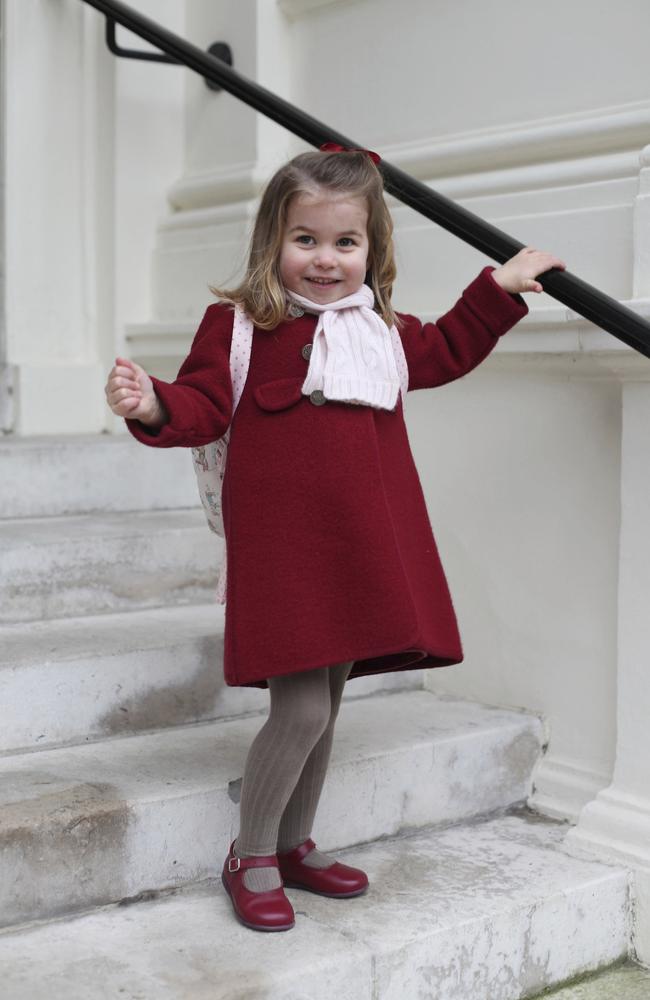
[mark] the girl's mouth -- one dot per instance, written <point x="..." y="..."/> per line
<point x="323" y="281"/>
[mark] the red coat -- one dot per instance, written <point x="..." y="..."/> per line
<point x="331" y="556"/>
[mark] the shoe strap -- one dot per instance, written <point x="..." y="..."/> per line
<point x="299" y="852"/>
<point x="235" y="863"/>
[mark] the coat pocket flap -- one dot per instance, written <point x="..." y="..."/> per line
<point x="280" y="394"/>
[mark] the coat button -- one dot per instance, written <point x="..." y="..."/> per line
<point x="317" y="397"/>
<point x="306" y="351"/>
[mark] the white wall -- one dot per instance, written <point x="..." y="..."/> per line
<point x="432" y="68"/>
<point x="92" y="144"/>
<point x="55" y="192"/>
<point x="2" y="192"/>
<point x="229" y="151"/>
<point x="149" y="155"/>
<point x="149" y="129"/>
<point x="521" y="476"/>
<point x="6" y="415"/>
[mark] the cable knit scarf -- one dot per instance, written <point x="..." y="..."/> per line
<point x="352" y="358"/>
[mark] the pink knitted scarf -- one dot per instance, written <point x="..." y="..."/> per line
<point x="352" y="358"/>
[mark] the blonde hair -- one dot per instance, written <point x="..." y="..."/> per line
<point x="261" y="292"/>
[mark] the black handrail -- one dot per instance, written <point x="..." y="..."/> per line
<point x="590" y="302"/>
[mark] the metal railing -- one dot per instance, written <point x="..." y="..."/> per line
<point x="585" y="299"/>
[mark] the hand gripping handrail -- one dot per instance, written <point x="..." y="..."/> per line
<point x="585" y="299"/>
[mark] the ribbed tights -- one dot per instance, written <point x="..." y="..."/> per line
<point x="285" y="769"/>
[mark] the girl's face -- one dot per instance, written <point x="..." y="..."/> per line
<point x="324" y="251"/>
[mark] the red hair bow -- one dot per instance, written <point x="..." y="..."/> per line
<point x="334" y="147"/>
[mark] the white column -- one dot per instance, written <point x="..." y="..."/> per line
<point x="641" y="275"/>
<point x="58" y="163"/>
<point x="230" y="151"/>
<point x="616" y="824"/>
<point x="6" y="400"/>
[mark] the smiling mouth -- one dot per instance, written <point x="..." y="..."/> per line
<point x="323" y="281"/>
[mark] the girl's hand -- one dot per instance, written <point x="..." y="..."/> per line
<point x="518" y="274"/>
<point x="130" y="393"/>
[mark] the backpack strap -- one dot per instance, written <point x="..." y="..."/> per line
<point x="400" y="361"/>
<point x="240" y="352"/>
<point x="240" y="355"/>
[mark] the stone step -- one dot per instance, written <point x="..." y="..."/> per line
<point x="56" y="567"/>
<point x="86" y="825"/>
<point x="76" y="680"/>
<point x="491" y="910"/>
<point x="626" y="981"/>
<point x="44" y="476"/>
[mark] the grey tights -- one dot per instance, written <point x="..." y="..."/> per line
<point x="285" y="769"/>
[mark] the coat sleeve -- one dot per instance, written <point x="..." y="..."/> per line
<point x="199" y="400"/>
<point x="440" y="352"/>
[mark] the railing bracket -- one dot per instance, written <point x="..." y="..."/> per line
<point x="220" y="50"/>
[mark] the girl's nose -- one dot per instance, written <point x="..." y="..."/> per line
<point x="325" y="258"/>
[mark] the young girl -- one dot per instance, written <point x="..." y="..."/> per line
<point x="333" y="570"/>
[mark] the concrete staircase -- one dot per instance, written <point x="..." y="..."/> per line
<point x="121" y="754"/>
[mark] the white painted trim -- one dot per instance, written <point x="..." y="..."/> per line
<point x="524" y="177"/>
<point x="236" y="182"/>
<point x="579" y="148"/>
<point x="197" y="198"/>
<point x="550" y="341"/>
<point x="7" y="398"/>
<point x="297" y="8"/>
<point x="161" y="340"/>
<point x="626" y="365"/>
<point x="580" y="134"/>
<point x="562" y="788"/>
<point x="615" y="826"/>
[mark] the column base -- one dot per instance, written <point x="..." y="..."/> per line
<point x="615" y="826"/>
<point x="7" y="376"/>
<point x="562" y="787"/>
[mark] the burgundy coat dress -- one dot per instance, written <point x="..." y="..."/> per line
<point x="331" y="556"/>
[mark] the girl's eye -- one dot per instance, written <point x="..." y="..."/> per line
<point x="305" y="239"/>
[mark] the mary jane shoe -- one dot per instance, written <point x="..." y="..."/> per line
<point x="338" y="880"/>
<point x="261" y="911"/>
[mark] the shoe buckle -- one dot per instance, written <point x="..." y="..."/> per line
<point x="236" y="862"/>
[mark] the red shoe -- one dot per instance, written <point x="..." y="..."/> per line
<point x="262" y="911"/>
<point x="337" y="880"/>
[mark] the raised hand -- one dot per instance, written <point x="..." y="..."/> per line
<point x="519" y="272"/>
<point x="130" y="393"/>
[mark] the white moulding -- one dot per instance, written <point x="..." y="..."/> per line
<point x="296" y="8"/>
<point x="580" y="148"/>
<point x="562" y="788"/>
<point x="553" y="341"/>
